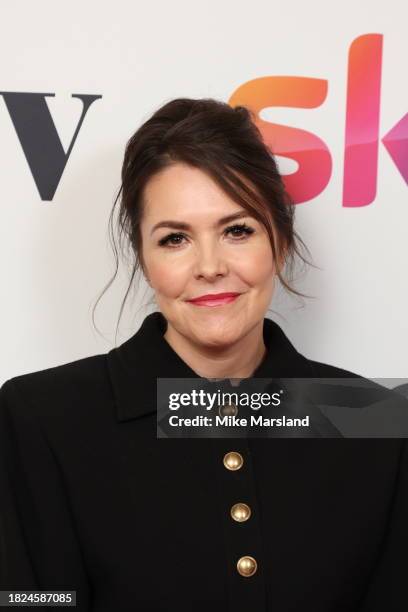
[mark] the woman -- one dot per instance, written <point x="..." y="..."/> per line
<point x="93" y="502"/>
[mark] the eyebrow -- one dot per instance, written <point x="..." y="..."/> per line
<point x="186" y="226"/>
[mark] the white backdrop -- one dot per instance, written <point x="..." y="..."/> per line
<point x="55" y="254"/>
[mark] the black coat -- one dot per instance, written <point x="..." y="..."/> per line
<point x="92" y="501"/>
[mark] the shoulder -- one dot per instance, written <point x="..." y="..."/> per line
<point x="326" y="370"/>
<point x="360" y="406"/>
<point x="52" y="390"/>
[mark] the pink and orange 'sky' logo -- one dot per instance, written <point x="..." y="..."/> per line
<point x="361" y="129"/>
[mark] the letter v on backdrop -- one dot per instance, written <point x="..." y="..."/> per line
<point x="39" y="138"/>
<point x="362" y="127"/>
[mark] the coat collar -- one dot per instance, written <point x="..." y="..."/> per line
<point x="135" y="365"/>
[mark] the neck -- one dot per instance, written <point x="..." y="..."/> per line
<point x="239" y="360"/>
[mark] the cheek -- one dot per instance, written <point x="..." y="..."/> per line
<point x="167" y="278"/>
<point x="257" y="266"/>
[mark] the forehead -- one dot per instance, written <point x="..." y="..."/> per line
<point x="185" y="190"/>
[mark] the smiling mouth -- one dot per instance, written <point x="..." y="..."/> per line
<point x="215" y="301"/>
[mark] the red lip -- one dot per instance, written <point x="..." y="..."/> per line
<point x="213" y="296"/>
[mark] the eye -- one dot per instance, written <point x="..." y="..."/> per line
<point x="240" y="228"/>
<point x="169" y="238"/>
<point x="239" y="231"/>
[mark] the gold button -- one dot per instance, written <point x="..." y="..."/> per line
<point x="228" y="410"/>
<point x="240" y="512"/>
<point x="233" y="461"/>
<point x="247" y="566"/>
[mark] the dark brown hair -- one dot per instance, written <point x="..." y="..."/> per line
<point x="222" y="141"/>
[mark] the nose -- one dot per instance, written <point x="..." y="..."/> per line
<point x="209" y="262"/>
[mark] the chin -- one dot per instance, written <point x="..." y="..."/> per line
<point x="218" y="335"/>
<point x="216" y="344"/>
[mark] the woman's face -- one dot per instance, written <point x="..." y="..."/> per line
<point x="206" y="257"/>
